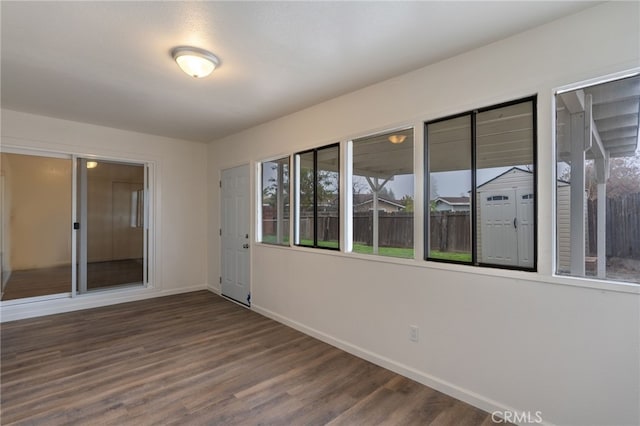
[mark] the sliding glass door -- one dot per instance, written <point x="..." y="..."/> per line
<point x="111" y="224"/>
<point x="35" y="218"/>
<point x="68" y="230"/>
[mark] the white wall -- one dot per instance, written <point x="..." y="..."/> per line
<point x="180" y="214"/>
<point x="31" y="183"/>
<point x="498" y="339"/>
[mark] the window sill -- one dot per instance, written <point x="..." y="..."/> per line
<point x="590" y="283"/>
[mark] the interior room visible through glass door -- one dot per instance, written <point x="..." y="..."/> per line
<point x="35" y="225"/>
<point x="111" y="224"/>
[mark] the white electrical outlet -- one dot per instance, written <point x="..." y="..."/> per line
<point x="413" y="333"/>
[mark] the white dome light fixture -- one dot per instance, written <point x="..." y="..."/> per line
<point x="195" y="62"/>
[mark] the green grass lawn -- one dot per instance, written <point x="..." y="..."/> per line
<point x="272" y="239"/>
<point x="406" y="253"/>
<point x="457" y="257"/>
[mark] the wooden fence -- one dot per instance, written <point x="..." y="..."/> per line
<point x="623" y="226"/>
<point x="394" y="229"/>
<point x="450" y="232"/>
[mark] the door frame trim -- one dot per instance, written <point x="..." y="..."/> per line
<point x="153" y="276"/>
<point x="80" y="181"/>
<point x="251" y="167"/>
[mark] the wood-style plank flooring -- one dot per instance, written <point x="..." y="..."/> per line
<point x="196" y="359"/>
<point x="57" y="279"/>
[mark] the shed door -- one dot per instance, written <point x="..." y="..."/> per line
<point x="499" y="233"/>
<point x="524" y="225"/>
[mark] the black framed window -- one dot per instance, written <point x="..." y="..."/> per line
<point x="480" y="172"/>
<point x="317" y="197"/>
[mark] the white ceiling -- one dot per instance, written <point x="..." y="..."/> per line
<point x="108" y="63"/>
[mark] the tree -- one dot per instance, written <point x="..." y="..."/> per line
<point x="270" y="188"/>
<point x="387" y="193"/>
<point x="433" y="187"/>
<point x="407" y="202"/>
<point x="624" y="177"/>
<point x="360" y="186"/>
<point x="327" y="187"/>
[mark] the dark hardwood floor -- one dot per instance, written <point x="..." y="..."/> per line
<point x="195" y="359"/>
<point x="57" y="279"/>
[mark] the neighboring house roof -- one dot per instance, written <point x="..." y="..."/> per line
<point x="504" y="173"/>
<point x="362" y="199"/>
<point x="454" y="201"/>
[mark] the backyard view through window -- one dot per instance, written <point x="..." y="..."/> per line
<point x="382" y="191"/>
<point x="598" y="185"/>
<point x="275" y="201"/>
<point x="481" y="187"/>
<point x="317" y="197"/>
<point x="449" y="189"/>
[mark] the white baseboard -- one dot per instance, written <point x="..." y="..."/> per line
<point x="16" y="310"/>
<point x="37" y="308"/>
<point x="443" y="386"/>
<point x="215" y="290"/>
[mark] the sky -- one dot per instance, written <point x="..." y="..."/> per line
<point x="448" y="184"/>
<point x="458" y="183"/>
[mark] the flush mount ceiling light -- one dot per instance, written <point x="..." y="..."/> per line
<point x="195" y="62"/>
<point x="397" y="138"/>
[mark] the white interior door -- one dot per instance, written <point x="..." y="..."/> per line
<point x="235" y="234"/>
<point x="499" y="227"/>
<point x="524" y="224"/>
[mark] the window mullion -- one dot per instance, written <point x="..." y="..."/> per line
<point x="315" y="198"/>
<point x="473" y="197"/>
<point x="426" y="202"/>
